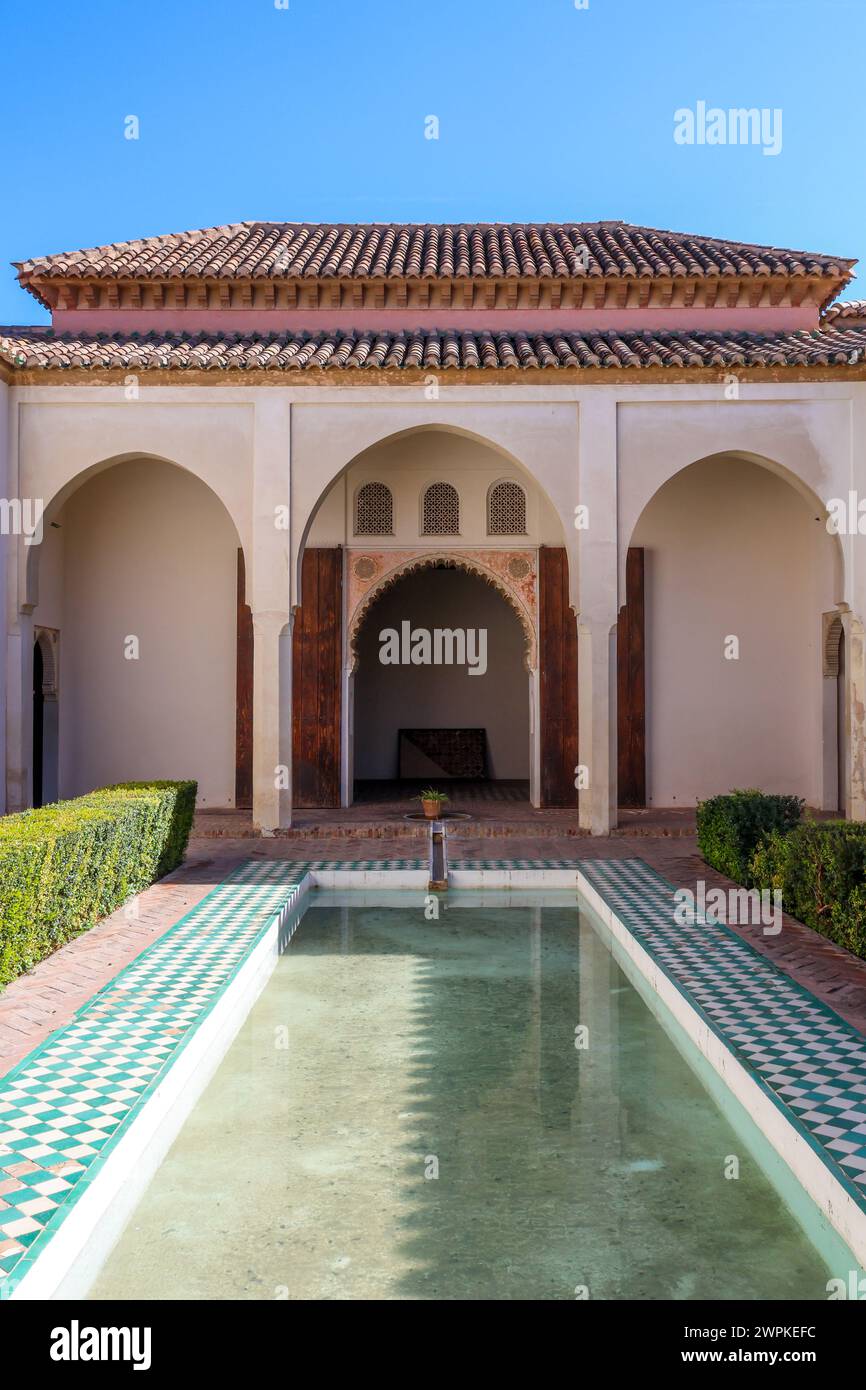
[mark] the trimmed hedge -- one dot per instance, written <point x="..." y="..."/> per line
<point x="731" y="827"/>
<point x="64" y="866"/>
<point x="820" y="867"/>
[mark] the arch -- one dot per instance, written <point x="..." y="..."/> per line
<point x="440" y="510"/>
<point x="46" y="640"/>
<point x="54" y="505"/>
<point x="438" y="594"/>
<point x="147" y="551"/>
<point x="506" y="501"/>
<point x="632" y="517"/>
<point x="555" y="478"/>
<point x="373" y="503"/>
<point x="739" y="557"/>
<point x="833" y="638"/>
<point x="447" y="559"/>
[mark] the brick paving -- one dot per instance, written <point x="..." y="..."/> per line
<point x="489" y="814"/>
<point x="32" y="1007"/>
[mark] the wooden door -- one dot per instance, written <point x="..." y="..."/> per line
<point x="316" y="676"/>
<point x="558" y="674"/>
<point x="631" y="685"/>
<point x="244" y="695"/>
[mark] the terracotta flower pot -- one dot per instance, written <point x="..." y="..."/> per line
<point x="431" y="809"/>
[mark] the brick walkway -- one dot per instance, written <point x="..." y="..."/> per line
<point x="489" y="816"/>
<point x="36" y="1004"/>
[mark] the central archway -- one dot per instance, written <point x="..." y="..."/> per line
<point x="419" y="501"/>
<point x="513" y="578"/>
<point x="443" y="683"/>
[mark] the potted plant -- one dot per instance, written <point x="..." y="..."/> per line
<point x="432" y="802"/>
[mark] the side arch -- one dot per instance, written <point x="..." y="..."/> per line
<point x="640" y="500"/>
<point x="54" y="504"/>
<point x="146" y="551"/>
<point x="740" y="568"/>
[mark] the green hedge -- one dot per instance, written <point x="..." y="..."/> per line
<point x="820" y="867"/>
<point x="64" y="866"/>
<point x="731" y="827"/>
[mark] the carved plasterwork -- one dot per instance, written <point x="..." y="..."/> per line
<point x="512" y="572"/>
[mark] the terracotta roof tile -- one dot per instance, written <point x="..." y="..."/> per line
<point x="844" y="312"/>
<point x="434" y="350"/>
<point x="292" y="250"/>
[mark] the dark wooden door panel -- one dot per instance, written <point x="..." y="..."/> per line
<point x="316" y="675"/>
<point x="244" y="695"/>
<point x="631" y="685"/>
<point x="558" y="678"/>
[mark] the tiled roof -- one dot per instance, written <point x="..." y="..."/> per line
<point x="845" y="310"/>
<point x="428" y="350"/>
<point x="293" y="250"/>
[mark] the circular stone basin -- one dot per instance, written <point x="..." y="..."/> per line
<point x="445" y="815"/>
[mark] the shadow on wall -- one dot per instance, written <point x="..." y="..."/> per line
<point x="738" y="573"/>
<point x="144" y="551"/>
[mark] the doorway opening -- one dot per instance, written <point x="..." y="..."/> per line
<point x="45" y="718"/>
<point x="441" y="692"/>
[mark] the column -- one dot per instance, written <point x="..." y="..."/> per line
<point x="270" y="603"/>
<point x="596" y="694"/>
<point x="272" y="760"/>
<point x="855" y="742"/>
<point x="598" y="607"/>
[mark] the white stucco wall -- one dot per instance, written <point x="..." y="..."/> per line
<point x="732" y="550"/>
<point x="607" y="446"/>
<point x="388" y="698"/>
<point x="147" y="551"/>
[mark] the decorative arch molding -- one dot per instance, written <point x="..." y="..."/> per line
<point x="513" y="573"/>
<point x="47" y="638"/>
<point x="832" y="642"/>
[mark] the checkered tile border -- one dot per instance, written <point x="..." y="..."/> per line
<point x="64" y="1106"/>
<point x="808" y="1059"/>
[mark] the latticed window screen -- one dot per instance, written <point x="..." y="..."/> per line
<point x="506" y="510"/>
<point x="441" y="512"/>
<point x="374" y="510"/>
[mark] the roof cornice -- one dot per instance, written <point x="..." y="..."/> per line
<point x="443" y="292"/>
<point x="403" y="259"/>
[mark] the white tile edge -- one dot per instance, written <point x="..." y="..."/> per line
<point x="513" y="878"/>
<point x="370" y="878"/>
<point x="813" y="1174"/>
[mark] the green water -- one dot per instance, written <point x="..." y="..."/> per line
<point x="387" y="1048"/>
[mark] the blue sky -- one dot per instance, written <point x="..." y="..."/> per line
<point x="317" y="112"/>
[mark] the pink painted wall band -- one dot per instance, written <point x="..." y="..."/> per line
<point x="763" y="319"/>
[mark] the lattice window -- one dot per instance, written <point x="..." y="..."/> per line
<point x="506" y="510"/>
<point x="374" y="510"/>
<point x="441" y="511"/>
